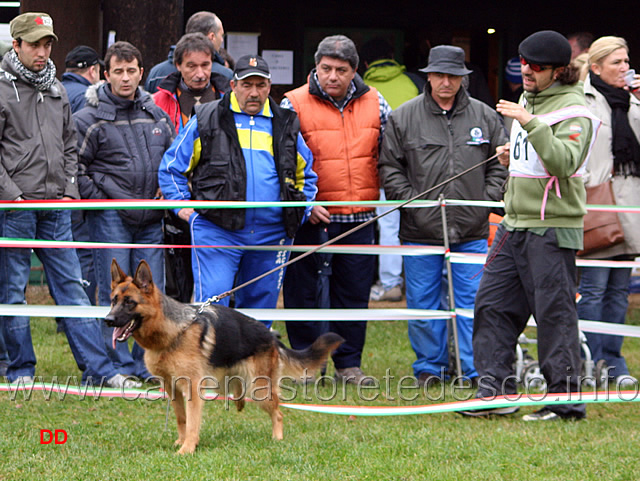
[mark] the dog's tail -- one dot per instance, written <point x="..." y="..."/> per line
<point x="307" y="362"/>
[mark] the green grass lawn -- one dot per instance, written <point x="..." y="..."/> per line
<point x="116" y="439"/>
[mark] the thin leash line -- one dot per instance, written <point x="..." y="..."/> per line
<point x="343" y="235"/>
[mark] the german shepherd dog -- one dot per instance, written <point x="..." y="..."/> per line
<point x="185" y="347"/>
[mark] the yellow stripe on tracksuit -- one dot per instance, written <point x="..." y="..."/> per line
<point x="195" y="157"/>
<point x="255" y="140"/>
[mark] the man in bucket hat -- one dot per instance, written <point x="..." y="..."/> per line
<point x="428" y="139"/>
<point x="532" y="269"/>
<point x="38" y="161"/>
<point x="240" y="148"/>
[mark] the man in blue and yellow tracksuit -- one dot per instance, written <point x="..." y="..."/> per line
<point x="240" y="148"/>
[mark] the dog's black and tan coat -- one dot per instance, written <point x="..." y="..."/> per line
<point x="184" y="347"/>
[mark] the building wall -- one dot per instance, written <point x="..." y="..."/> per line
<point x="154" y="25"/>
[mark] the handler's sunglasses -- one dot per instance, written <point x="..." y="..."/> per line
<point x="533" y="66"/>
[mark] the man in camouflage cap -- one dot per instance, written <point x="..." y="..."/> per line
<point x="38" y="161"/>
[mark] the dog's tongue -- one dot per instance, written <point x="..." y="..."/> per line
<point x="117" y="332"/>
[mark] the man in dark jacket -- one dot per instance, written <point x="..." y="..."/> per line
<point x="430" y="138"/>
<point x="122" y="135"/>
<point x="208" y="24"/>
<point x="82" y="70"/>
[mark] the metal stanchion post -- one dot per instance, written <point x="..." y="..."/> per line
<point x="452" y="322"/>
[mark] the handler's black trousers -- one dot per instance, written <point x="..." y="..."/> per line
<point x="528" y="274"/>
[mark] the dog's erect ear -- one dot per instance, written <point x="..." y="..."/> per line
<point x="143" y="278"/>
<point x="117" y="275"/>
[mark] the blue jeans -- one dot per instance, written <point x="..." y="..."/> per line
<point x="64" y="278"/>
<point x="80" y="231"/>
<point x="429" y="340"/>
<point x="389" y="265"/>
<point x="605" y="298"/>
<point x="218" y="270"/>
<point x="4" y="355"/>
<point x="108" y="226"/>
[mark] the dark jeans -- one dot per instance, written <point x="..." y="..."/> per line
<point x="348" y="281"/>
<point x="605" y="298"/>
<point x="528" y="274"/>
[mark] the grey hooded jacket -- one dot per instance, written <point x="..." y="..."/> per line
<point x="38" y="158"/>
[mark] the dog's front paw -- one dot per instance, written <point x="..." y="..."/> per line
<point x="179" y="442"/>
<point x="187" y="448"/>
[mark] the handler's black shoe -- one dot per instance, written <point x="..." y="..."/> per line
<point x="485" y="413"/>
<point x="353" y="375"/>
<point x="544" y="414"/>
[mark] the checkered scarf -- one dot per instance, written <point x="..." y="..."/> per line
<point x="42" y="80"/>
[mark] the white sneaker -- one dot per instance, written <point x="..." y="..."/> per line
<point x="23" y="380"/>
<point x="127" y="382"/>
<point x="378" y="293"/>
<point x="626" y="381"/>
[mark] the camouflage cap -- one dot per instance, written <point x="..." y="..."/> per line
<point x="32" y="26"/>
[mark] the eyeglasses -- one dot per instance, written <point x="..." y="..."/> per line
<point x="533" y="66"/>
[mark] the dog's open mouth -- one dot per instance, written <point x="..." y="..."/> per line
<point x="121" y="334"/>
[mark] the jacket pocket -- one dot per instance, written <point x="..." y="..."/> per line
<point x="212" y="182"/>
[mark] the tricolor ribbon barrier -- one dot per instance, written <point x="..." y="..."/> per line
<point x="156" y="393"/>
<point x="100" y="204"/>
<point x="519" y="400"/>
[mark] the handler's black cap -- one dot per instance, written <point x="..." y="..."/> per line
<point x="82" y="57"/>
<point x="546" y="48"/>
<point x="250" y="65"/>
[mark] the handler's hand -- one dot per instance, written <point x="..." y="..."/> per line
<point x="319" y="214"/>
<point x="503" y="154"/>
<point x="514" y="111"/>
<point x="185" y="213"/>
